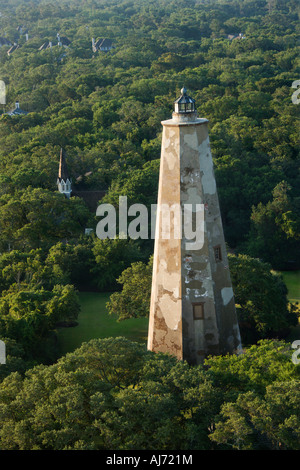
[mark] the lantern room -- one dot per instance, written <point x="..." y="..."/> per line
<point x="184" y="104"/>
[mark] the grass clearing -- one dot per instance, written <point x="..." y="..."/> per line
<point x="95" y="322"/>
<point x="292" y="281"/>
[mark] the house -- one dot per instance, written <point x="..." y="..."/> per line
<point x="22" y="30"/>
<point x="231" y="37"/>
<point x="12" y="49"/>
<point x="46" y="45"/>
<point x="96" y="44"/>
<point x="63" y="41"/>
<point x="103" y="45"/>
<point x="17" y="111"/>
<point x="5" y="42"/>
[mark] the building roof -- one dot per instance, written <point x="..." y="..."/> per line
<point x="235" y="36"/>
<point x="17" y="111"/>
<point x="64" y="40"/>
<point x="22" y="29"/>
<point x="98" y="42"/>
<point x="13" y="48"/>
<point x="101" y="44"/>
<point x="106" y="43"/>
<point x="44" y="46"/>
<point x="63" y="173"/>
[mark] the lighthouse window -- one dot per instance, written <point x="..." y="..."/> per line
<point x="198" y="311"/>
<point x="218" y="253"/>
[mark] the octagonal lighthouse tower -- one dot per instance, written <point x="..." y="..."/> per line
<point x="192" y="311"/>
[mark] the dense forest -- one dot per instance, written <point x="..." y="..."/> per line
<point x="239" y="61"/>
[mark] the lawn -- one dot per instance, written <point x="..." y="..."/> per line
<point x="95" y="322"/>
<point x="292" y="281"/>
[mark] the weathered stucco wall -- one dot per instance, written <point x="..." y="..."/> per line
<point x="165" y="324"/>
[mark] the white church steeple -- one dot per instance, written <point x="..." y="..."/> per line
<point x="64" y="182"/>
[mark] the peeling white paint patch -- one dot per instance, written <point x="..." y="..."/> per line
<point x="194" y="177"/>
<point x="176" y="292"/>
<point x="172" y="311"/>
<point x="187" y="267"/>
<point x="171" y="160"/>
<point x="170" y="282"/>
<point x="206" y="165"/>
<point x="163" y="264"/>
<point x="191" y="140"/>
<point x="167" y="143"/>
<point x="227" y="294"/>
<point x="208" y="286"/>
<point x="197" y="293"/>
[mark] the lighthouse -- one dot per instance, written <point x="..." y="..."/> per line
<point x="192" y="311"/>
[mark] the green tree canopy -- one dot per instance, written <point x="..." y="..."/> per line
<point x="134" y="299"/>
<point x="261" y="297"/>
<point x="112" y="394"/>
<point x="37" y="217"/>
<point x="276" y="225"/>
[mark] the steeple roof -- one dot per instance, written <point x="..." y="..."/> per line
<point x="63" y="173"/>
